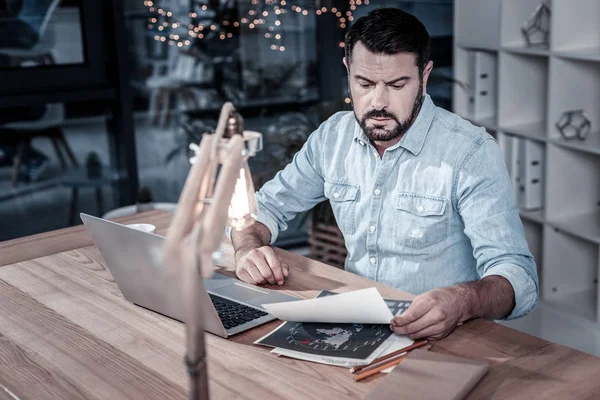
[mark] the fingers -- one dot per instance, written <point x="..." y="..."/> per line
<point x="427" y="320"/>
<point x="244" y="276"/>
<point x="419" y="307"/>
<point x="433" y="332"/>
<point x="256" y="275"/>
<point x="286" y="269"/>
<point x="432" y="315"/>
<point x="263" y="266"/>
<point x="275" y="264"/>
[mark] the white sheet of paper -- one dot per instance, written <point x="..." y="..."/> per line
<point x="365" y="306"/>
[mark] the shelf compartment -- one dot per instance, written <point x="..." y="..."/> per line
<point x="522" y="85"/>
<point x="574" y="85"/>
<point x="585" y="226"/>
<point x="572" y="184"/>
<point x="570" y="273"/>
<point x="514" y="14"/>
<point x="477" y="24"/>
<point x="575" y="27"/>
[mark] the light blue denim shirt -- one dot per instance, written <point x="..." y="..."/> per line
<point x="435" y="210"/>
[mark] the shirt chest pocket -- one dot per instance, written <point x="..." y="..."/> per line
<point x="343" y="199"/>
<point x="420" y="221"/>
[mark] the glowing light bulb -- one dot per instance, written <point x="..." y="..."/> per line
<point x="243" y="208"/>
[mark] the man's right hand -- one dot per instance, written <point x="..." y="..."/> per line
<point x="259" y="266"/>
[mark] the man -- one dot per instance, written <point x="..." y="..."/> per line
<point x="422" y="197"/>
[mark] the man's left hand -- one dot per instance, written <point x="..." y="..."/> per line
<point x="432" y="315"/>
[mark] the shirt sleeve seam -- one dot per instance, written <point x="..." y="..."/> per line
<point x="461" y="166"/>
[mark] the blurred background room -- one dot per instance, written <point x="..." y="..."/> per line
<point x="100" y="100"/>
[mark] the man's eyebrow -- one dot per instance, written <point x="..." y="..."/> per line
<point x="363" y="78"/>
<point x="402" y="78"/>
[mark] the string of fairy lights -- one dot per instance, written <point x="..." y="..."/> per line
<point x="168" y="28"/>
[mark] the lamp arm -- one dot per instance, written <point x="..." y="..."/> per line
<point x="195" y="359"/>
<point x="226" y="110"/>
<point x="186" y="212"/>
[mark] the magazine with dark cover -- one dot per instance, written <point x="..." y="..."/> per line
<point x="340" y="344"/>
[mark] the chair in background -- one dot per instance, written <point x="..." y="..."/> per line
<point x="50" y="126"/>
<point x="42" y="52"/>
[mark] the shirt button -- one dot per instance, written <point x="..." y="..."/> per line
<point x="336" y="195"/>
<point x="420" y="208"/>
<point x="372" y="260"/>
<point x="372" y="228"/>
<point x="377" y="191"/>
<point x="375" y="154"/>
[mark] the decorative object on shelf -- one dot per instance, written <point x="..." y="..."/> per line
<point x="93" y="166"/>
<point x="536" y="29"/>
<point x="574" y="124"/>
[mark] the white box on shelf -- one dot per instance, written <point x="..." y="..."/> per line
<point x="512" y="148"/>
<point x="532" y="180"/>
<point x="482" y="84"/>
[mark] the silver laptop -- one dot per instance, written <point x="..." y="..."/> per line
<point x="134" y="258"/>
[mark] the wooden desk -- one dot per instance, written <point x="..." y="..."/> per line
<point x="66" y="332"/>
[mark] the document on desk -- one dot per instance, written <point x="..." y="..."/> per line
<point x="341" y="344"/>
<point x="365" y="306"/>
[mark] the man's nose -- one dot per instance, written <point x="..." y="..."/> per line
<point x="380" y="98"/>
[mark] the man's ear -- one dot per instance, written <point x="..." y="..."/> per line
<point x="426" y="73"/>
<point x="346" y="65"/>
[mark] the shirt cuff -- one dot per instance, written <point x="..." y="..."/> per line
<point x="263" y="219"/>
<point x="271" y="223"/>
<point x="525" y="288"/>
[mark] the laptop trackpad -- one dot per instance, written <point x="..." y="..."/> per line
<point x="240" y="292"/>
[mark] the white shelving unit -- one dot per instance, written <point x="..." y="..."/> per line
<point x="535" y="85"/>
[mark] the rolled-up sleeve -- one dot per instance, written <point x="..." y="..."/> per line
<point x="295" y="189"/>
<point x="484" y="200"/>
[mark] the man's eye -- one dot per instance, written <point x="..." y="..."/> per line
<point x="365" y="85"/>
<point x="396" y="87"/>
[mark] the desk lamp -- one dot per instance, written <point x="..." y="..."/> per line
<point x="218" y="192"/>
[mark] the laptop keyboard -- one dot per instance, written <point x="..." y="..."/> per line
<point x="233" y="314"/>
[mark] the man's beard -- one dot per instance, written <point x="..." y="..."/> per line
<point x="377" y="133"/>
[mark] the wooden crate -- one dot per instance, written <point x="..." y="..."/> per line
<point x="326" y="244"/>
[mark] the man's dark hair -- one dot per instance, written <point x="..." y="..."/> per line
<point x="390" y="31"/>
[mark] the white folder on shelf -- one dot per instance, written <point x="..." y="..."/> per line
<point x="532" y="179"/>
<point x="482" y="84"/>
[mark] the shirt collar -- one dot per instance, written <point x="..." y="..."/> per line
<point x="414" y="139"/>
